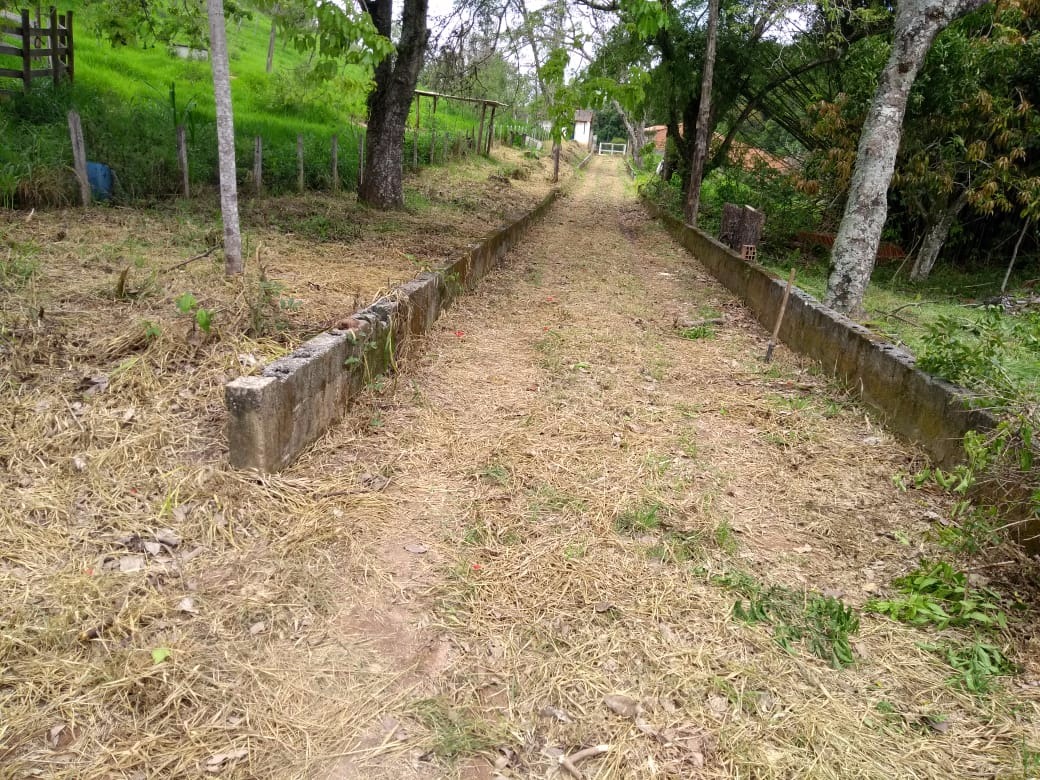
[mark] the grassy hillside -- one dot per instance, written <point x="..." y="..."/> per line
<point x="124" y="97"/>
<point x="129" y="118"/>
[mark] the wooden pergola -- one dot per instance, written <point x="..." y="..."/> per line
<point x="484" y="144"/>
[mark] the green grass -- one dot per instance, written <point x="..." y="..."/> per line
<point x="902" y="311"/>
<point x="124" y="97"/>
<point x="822" y="624"/>
<point x="640" y="518"/>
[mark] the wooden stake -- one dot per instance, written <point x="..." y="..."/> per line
<point x="491" y="130"/>
<point x="55" y="58"/>
<point x="335" y="162"/>
<point x="780" y="317"/>
<point x="361" y="160"/>
<point x="26" y="52"/>
<point x="182" y="161"/>
<point x="415" y="143"/>
<point x="299" y="162"/>
<point x="70" y="63"/>
<point x="79" y="156"/>
<point x="480" y="135"/>
<point x="258" y="165"/>
<point x="433" y="131"/>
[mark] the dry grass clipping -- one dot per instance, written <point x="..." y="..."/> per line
<point x="164" y="616"/>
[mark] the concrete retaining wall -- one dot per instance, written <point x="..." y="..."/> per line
<point x="273" y="417"/>
<point x="921" y="407"/>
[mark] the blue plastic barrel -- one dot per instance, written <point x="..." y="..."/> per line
<point x="100" y="177"/>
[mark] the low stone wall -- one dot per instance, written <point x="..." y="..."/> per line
<point x="925" y="409"/>
<point x="273" y="417"/>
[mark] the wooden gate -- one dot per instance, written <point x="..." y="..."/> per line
<point x="42" y="45"/>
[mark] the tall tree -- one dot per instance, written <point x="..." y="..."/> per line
<point x="700" y="147"/>
<point x="218" y="57"/>
<point x="395" y="80"/>
<point x="859" y="235"/>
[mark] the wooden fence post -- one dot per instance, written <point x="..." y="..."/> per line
<point x="415" y="146"/>
<point x="480" y="143"/>
<point x="335" y="162"/>
<point x="258" y="165"/>
<point x="79" y="152"/>
<point x="55" y="57"/>
<point x="182" y="160"/>
<point x="26" y="52"/>
<point x="361" y="160"/>
<point x="491" y="129"/>
<point x="299" y="162"/>
<point x="70" y="52"/>
<point x="433" y="131"/>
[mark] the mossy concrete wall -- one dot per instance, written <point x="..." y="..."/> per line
<point x="273" y="417"/>
<point x="924" y="409"/>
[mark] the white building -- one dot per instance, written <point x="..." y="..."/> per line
<point x="583" y="127"/>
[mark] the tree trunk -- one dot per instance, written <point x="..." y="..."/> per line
<point x="1014" y="255"/>
<point x="700" y="147"/>
<point x="270" y="43"/>
<point x="218" y="57"/>
<point x="395" y="78"/>
<point x="636" y="136"/>
<point x="556" y="162"/>
<point x="855" y="248"/>
<point x="934" y="240"/>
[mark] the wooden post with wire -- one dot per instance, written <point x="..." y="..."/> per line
<point x="361" y="159"/>
<point x="335" y="162"/>
<point x="182" y="161"/>
<point x="491" y="130"/>
<point x="433" y="131"/>
<point x="480" y="135"/>
<point x="258" y="165"/>
<point x="780" y="316"/>
<point x="79" y="156"/>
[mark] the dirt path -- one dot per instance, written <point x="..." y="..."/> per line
<point x="528" y="543"/>
<point x="593" y="492"/>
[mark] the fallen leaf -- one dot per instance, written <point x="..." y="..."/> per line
<point x="217" y="760"/>
<point x="54" y="733"/>
<point x="719" y="705"/>
<point x="187" y="604"/>
<point x="803" y="549"/>
<point x="94" y="384"/>
<point x="374" y="482"/>
<point x="180" y="513"/>
<point x="168" y="537"/>
<point x="668" y="634"/>
<point x="79" y="463"/>
<point x="604" y="606"/>
<point x="258" y="628"/>
<point x="418" y="548"/>
<point x="235" y="720"/>
<point x="160" y="654"/>
<point x="936" y="723"/>
<point x="152" y="548"/>
<point x="625" y="706"/>
<point x="131" y="563"/>
<point x="555" y="712"/>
